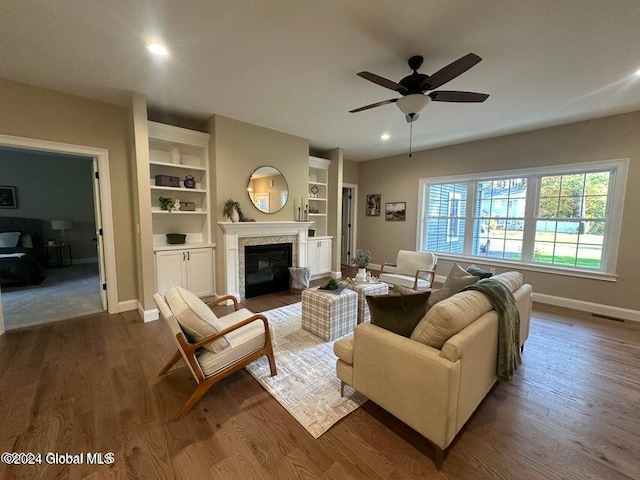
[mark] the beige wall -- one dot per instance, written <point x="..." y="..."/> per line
<point x="350" y="172"/>
<point x="396" y="178"/>
<point x="34" y="112"/>
<point x="237" y="149"/>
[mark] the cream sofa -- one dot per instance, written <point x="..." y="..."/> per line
<point x="433" y="391"/>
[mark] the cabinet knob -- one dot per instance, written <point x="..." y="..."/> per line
<point x="188" y="255"/>
<point x="183" y="256"/>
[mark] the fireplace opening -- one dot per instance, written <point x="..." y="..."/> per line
<point x="266" y="268"/>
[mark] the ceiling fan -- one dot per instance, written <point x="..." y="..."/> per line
<point x="413" y="87"/>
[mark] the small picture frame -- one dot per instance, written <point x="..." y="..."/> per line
<point x="8" y="197"/>
<point x="373" y="205"/>
<point x="395" y="211"/>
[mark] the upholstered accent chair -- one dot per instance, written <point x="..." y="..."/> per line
<point x="415" y="270"/>
<point x="212" y="347"/>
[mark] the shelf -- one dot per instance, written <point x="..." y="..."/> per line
<point x="181" y="246"/>
<point x="178" y="165"/>
<point x="318" y="199"/>
<point x="178" y="189"/>
<point x="317" y="214"/>
<point x="178" y="212"/>
<point x="318" y="183"/>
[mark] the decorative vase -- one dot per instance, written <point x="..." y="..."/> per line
<point x="189" y="182"/>
<point x="361" y="276"/>
<point x="235" y="216"/>
<point x="175" y="156"/>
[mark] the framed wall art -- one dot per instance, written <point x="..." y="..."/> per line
<point x="8" y="197"/>
<point x="373" y="204"/>
<point x="395" y="211"/>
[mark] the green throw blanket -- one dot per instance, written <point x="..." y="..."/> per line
<point x="504" y="303"/>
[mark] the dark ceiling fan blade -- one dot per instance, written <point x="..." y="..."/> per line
<point x="383" y="82"/>
<point x="373" y="105"/>
<point x="461" y="97"/>
<point x="450" y="72"/>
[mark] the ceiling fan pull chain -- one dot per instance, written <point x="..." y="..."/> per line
<point x="410" y="137"/>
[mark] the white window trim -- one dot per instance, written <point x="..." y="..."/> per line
<point x="611" y="241"/>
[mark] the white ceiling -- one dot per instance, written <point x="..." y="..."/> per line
<point x="291" y="65"/>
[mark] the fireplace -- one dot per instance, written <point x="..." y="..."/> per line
<point x="266" y="268"/>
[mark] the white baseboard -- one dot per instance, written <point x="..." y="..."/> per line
<point x="597" y="308"/>
<point x="128" y="305"/>
<point x="335" y="274"/>
<point x="148" y="315"/>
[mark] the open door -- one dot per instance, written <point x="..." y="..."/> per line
<point x="347" y="226"/>
<point x="99" y="234"/>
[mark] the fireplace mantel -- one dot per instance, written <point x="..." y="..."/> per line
<point x="234" y="232"/>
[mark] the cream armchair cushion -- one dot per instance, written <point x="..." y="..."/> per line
<point x="407" y="265"/>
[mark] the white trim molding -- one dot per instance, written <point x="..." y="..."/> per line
<point x="102" y="155"/>
<point x="128" y="305"/>
<point x="148" y="315"/>
<point x="590" y="307"/>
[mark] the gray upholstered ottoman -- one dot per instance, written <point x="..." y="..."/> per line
<point x="329" y="315"/>
<point x="364" y="289"/>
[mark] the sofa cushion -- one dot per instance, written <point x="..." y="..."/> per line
<point x="343" y="349"/>
<point x="458" y="278"/>
<point x="478" y="272"/>
<point x="512" y="280"/>
<point x="195" y="318"/>
<point x="398" y="313"/>
<point x="408" y="262"/>
<point x="450" y="316"/>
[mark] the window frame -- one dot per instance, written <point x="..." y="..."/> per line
<point x="611" y="240"/>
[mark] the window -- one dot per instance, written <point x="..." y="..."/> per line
<point x="561" y="217"/>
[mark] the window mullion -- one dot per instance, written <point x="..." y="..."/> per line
<point x="531" y="207"/>
<point x="469" y="217"/>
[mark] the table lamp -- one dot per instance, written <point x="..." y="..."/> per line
<point x="61" y="225"/>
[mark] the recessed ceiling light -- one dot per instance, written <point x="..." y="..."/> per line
<point x="158" y="49"/>
<point x="385" y="137"/>
<point x="638" y="73"/>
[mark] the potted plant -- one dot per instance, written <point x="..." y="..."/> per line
<point x="361" y="259"/>
<point x="169" y="204"/>
<point x="231" y="210"/>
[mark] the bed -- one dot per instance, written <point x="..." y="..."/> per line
<point x="24" y="263"/>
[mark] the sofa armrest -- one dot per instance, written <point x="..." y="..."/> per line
<point x="409" y="379"/>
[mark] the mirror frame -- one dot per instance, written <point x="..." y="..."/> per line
<point x="249" y="193"/>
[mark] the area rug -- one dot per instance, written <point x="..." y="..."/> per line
<point x="306" y="384"/>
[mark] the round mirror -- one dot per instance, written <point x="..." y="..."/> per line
<point x="268" y="189"/>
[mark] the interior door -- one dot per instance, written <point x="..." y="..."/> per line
<point x="347" y="198"/>
<point x="99" y="237"/>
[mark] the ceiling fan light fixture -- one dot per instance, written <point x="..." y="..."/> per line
<point x="413" y="104"/>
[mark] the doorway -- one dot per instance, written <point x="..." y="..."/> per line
<point x="99" y="238"/>
<point x="349" y="209"/>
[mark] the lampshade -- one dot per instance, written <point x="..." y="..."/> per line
<point x="61" y="225"/>
<point x="412" y="104"/>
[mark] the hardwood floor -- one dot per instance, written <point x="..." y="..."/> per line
<point x="91" y="385"/>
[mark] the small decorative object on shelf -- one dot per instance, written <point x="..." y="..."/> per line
<point x="167" y="181"/>
<point x="176" y="238"/>
<point x="189" y="182"/>
<point x="187" y="207"/>
<point x="169" y="204"/>
<point x="361" y="259"/>
<point x="314" y="189"/>
<point x="175" y="156"/>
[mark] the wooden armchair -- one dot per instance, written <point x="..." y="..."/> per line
<point x="248" y="336"/>
<point x="415" y="270"/>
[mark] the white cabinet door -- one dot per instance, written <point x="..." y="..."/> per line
<point x="312" y="255"/>
<point x="200" y="271"/>
<point x="324" y="256"/>
<point x="170" y="269"/>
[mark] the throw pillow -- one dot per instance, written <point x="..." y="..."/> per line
<point x="26" y="240"/>
<point x="449" y="317"/>
<point x="512" y="280"/>
<point x="478" y="272"/>
<point x="299" y="278"/>
<point x="458" y="278"/>
<point x="398" y="313"/>
<point x="9" y="239"/>
<point x="437" y="296"/>
<point x="195" y="318"/>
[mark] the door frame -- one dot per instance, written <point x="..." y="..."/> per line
<point x="102" y="155"/>
<point x="354" y="215"/>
